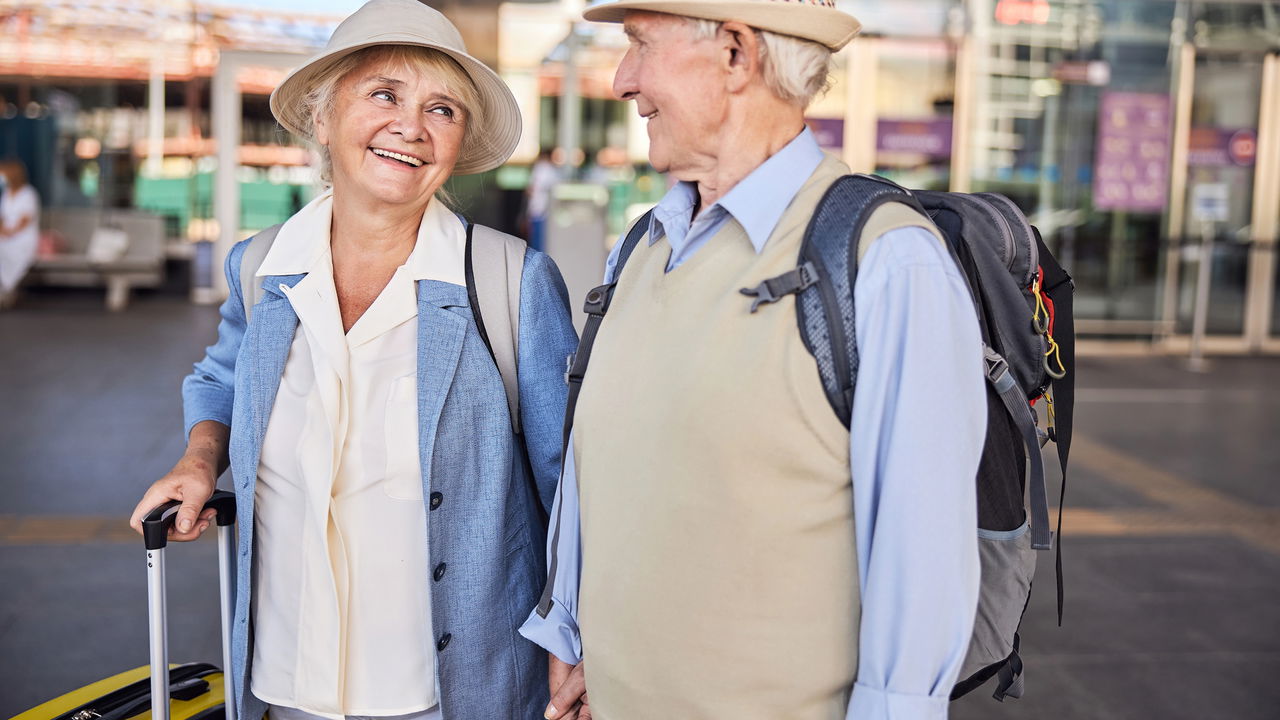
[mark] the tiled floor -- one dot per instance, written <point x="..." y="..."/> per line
<point x="1172" y="533"/>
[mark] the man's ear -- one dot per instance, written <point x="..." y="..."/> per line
<point x="741" y="47"/>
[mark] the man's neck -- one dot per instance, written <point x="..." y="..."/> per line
<point x="747" y="143"/>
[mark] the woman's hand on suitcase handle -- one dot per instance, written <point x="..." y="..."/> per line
<point x="191" y="481"/>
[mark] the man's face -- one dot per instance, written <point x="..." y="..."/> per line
<point x="678" y="86"/>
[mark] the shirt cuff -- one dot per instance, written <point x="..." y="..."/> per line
<point x="557" y="633"/>
<point x="869" y="703"/>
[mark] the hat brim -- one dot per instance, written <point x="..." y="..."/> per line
<point x="828" y="26"/>
<point x="489" y="142"/>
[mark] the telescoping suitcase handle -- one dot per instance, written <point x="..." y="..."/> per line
<point x="155" y="533"/>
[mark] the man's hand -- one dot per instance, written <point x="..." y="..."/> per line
<point x="568" y="691"/>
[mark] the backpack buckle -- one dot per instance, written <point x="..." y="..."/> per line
<point x="598" y="299"/>
<point x="997" y="369"/>
<point x="788" y="283"/>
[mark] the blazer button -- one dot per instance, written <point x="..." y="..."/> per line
<point x="444" y="642"/>
<point x="439" y="573"/>
<point x="436" y="499"/>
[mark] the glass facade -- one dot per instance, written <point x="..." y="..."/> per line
<point x="1128" y="131"/>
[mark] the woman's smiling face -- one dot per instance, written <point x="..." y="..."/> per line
<point x="393" y="133"/>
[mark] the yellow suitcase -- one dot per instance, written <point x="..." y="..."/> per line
<point x="194" y="691"/>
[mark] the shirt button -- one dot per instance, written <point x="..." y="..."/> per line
<point x="439" y="573"/>
<point x="444" y="642"/>
<point x="436" y="499"/>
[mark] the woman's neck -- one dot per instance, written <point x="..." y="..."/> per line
<point x="374" y="233"/>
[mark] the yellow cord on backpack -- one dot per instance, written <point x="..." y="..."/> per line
<point x="1041" y="325"/>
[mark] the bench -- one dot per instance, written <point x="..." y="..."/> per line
<point x="140" y="265"/>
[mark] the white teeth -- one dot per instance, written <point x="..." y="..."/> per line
<point x="397" y="156"/>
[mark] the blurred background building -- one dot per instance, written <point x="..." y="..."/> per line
<point x="1132" y="132"/>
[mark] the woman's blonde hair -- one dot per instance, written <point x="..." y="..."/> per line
<point x="321" y="99"/>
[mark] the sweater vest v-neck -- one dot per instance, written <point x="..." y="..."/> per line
<point x="719" y="574"/>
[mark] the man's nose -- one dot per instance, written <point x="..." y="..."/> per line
<point x="624" y="80"/>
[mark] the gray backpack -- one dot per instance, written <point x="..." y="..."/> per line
<point x="1023" y="301"/>
<point x="494" y="263"/>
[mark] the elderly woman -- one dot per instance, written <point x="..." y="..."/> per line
<point x="391" y="519"/>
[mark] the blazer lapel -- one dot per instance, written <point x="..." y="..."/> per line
<point x="263" y="354"/>
<point x="441" y="329"/>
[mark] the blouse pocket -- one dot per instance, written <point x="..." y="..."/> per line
<point x="403" y="477"/>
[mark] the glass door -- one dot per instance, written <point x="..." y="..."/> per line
<point x="1221" y="161"/>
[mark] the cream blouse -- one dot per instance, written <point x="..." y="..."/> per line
<point x="342" y="604"/>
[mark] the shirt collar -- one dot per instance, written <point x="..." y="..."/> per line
<point x="303" y="241"/>
<point x="757" y="202"/>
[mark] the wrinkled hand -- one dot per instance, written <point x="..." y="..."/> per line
<point x="192" y="481"/>
<point x="568" y="691"/>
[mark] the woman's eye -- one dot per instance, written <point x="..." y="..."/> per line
<point x="384" y="95"/>
<point x="443" y="110"/>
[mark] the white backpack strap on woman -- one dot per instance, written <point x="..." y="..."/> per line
<point x="494" y="265"/>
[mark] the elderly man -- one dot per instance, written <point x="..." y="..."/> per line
<point x="725" y="548"/>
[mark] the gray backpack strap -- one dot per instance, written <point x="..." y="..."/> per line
<point x="494" y="265"/>
<point x="254" y="253"/>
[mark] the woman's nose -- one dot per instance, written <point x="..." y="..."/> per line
<point x="410" y="125"/>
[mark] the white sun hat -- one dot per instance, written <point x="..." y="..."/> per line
<point x="488" y="144"/>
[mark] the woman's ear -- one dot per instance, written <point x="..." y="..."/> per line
<point x="321" y="128"/>
<point x="741" y="48"/>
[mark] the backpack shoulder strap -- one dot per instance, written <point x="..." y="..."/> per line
<point x="494" y="266"/>
<point x="596" y="306"/>
<point x="890" y="216"/>
<point x="855" y="210"/>
<point x="254" y="253"/>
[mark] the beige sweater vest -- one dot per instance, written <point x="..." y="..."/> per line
<point x="719" y="573"/>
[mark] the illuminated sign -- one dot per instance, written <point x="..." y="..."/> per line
<point x="1023" y="12"/>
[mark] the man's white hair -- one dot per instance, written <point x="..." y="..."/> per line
<point x="795" y="70"/>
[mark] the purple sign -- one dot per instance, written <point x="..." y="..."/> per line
<point x="1133" y="152"/>
<point x="829" y="132"/>
<point x="1222" y="147"/>
<point x="929" y="136"/>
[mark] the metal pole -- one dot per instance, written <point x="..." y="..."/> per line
<point x="157" y="615"/>
<point x="570" y="106"/>
<point x="1184" y="92"/>
<point x="1201" y="318"/>
<point x="226" y="591"/>
<point x="225" y="108"/>
<point x="155" y="110"/>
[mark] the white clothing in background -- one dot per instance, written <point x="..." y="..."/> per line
<point x="18" y="251"/>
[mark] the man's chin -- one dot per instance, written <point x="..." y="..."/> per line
<point x="658" y="162"/>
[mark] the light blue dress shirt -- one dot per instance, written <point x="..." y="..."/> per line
<point x="918" y="425"/>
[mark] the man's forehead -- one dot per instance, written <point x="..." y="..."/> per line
<point x="641" y="24"/>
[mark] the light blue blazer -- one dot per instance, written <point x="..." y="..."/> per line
<point x="488" y="526"/>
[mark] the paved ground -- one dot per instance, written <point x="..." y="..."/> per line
<point x="1172" y="535"/>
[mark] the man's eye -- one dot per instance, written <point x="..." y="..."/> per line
<point x="384" y="95"/>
